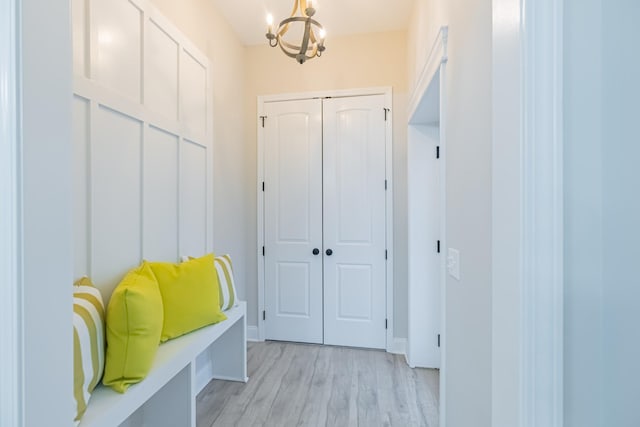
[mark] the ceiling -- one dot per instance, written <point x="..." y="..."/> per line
<point x="339" y="17"/>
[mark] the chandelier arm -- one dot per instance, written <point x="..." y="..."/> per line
<point x="291" y="46"/>
<point x="284" y="25"/>
<point x="295" y="50"/>
<point x="296" y="7"/>
<point x="286" y="52"/>
<point x="305" y="38"/>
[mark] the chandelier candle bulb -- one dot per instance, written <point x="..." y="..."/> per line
<point x="270" y="23"/>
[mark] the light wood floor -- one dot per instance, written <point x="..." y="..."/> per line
<point x="309" y="385"/>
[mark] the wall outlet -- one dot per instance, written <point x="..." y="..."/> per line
<point x="453" y="263"/>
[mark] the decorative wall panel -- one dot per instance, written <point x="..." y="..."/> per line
<point x="143" y="138"/>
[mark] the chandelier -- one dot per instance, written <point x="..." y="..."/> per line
<point x="312" y="45"/>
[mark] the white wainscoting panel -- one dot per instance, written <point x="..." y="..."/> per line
<point x="81" y="185"/>
<point x="79" y="22"/>
<point x="161" y="71"/>
<point x="116" y="208"/>
<point x="160" y="183"/>
<point x="117" y="36"/>
<point x="193" y="191"/>
<point x="142" y="141"/>
<point x="193" y="89"/>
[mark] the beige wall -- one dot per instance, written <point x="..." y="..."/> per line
<point x="350" y="62"/>
<point x="468" y="162"/>
<point x="234" y="210"/>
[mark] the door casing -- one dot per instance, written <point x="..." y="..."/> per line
<point x="388" y="93"/>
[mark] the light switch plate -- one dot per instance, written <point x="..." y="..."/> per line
<point x="453" y="263"/>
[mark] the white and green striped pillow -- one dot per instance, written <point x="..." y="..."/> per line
<point x="224" y="268"/>
<point x="88" y="342"/>
<point x="228" y="295"/>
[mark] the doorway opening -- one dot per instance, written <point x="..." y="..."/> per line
<point x="325" y="218"/>
<point x="428" y="258"/>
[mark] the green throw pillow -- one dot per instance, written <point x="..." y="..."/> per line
<point x="189" y="295"/>
<point x="134" y="325"/>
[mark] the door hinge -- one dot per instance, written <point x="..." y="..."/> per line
<point x="263" y="251"/>
<point x="264" y="317"/>
<point x="386" y="323"/>
<point x="438" y="246"/>
<point x="386" y="254"/>
<point x="263" y="186"/>
<point x="438" y="340"/>
<point x="263" y="118"/>
<point x="385" y="184"/>
<point x="386" y="112"/>
<point x="438" y="152"/>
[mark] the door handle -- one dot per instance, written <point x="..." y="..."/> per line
<point x="329" y="252"/>
<point x="316" y="251"/>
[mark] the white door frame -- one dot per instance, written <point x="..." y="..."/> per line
<point x="527" y="231"/>
<point x="388" y="93"/>
<point x="11" y="380"/>
<point x="437" y="64"/>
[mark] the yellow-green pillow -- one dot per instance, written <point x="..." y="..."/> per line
<point x="189" y="295"/>
<point x="134" y="325"/>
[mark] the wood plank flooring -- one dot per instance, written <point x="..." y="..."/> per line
<point x="309" y="385"/>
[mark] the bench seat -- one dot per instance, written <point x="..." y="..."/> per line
<point x="182" y="367"/>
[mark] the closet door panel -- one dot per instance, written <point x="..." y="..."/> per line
<point x="293" y="221"/>
<point x="354" y="222"/>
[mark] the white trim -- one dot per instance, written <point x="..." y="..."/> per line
<point x="203" y="375"/>
<point x="542" y="216"/>
<point x="389" y="214"/>
<point x="260" y="225"/>
<point x="436" y="63"/>
<point x="443" y="234"/>
<point x="388" y="93"/>
<point x="437" y="57"/>
<point x="435" y="66"/>
<point x="252" y="334"/>
<point x="11" y="376"/>
<point x="398" y="346"/>
<point x="380" y="90"/>
<point x="527" y="235"/>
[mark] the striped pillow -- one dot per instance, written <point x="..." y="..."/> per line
<point x="227" y="285"/>
<point x="224" y="268"/>
<point x="88" y="342"/>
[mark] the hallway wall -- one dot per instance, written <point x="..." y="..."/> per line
<point x="468" y="162"/>
<point x="602" y="289"/>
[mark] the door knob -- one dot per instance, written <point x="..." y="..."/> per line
<point x="329" y="252"/>
<point x="316" y="251"/>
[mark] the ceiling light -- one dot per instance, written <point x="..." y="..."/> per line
<point x="311" y="45"/>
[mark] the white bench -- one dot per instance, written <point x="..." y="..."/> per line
<point x="182" y="367"/>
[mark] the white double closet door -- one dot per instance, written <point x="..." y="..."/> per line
<point x="325" y="221"/>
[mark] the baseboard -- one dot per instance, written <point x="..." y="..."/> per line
<point x="204" y="375"/>
<point x="252" y="333"/>
<point x="398" y="346"/>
